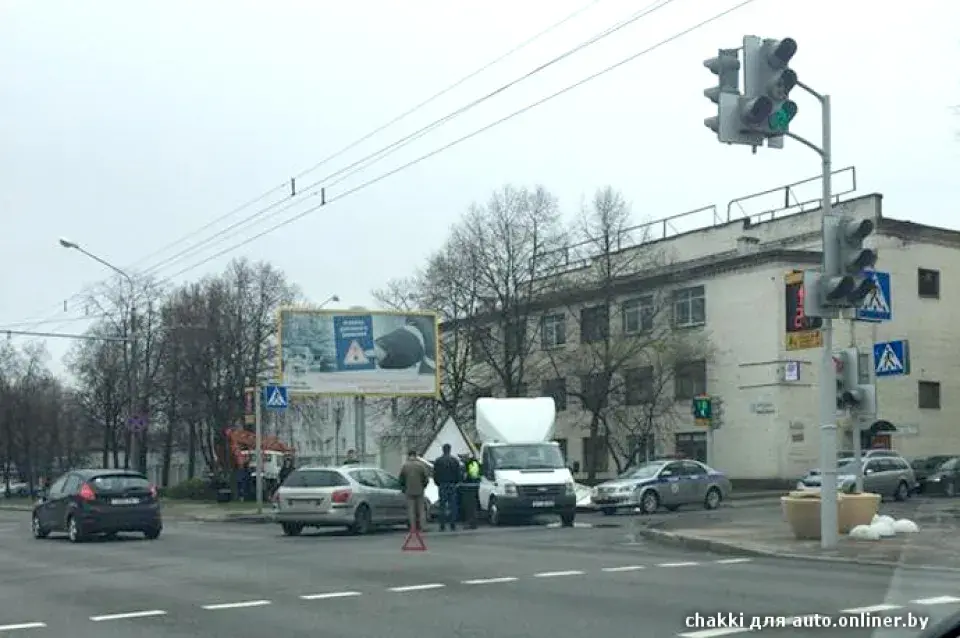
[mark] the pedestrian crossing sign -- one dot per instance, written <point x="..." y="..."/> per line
<point x="877" y="306"/>
<point x="275" y="397"/>
<point x="891" y="358"/>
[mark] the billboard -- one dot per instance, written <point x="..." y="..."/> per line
<point x="359" y="352"/>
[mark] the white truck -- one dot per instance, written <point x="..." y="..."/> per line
<point x="524" y="473"/>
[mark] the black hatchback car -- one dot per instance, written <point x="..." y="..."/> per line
<point x="84" y="503"/>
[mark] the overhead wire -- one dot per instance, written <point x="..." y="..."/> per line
<point x="522" y="45"/>
<point x="365" y="162"/>
<point x="462" y="139"/>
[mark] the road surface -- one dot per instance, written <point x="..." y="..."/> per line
<point x="248" y="581"/>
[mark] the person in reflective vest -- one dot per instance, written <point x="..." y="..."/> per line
<point x="471" y="493"/>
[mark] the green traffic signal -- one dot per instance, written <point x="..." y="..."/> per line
<point x="780" y="119"/>
<point x="702" y="408"/>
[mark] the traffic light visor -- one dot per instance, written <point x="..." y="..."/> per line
<point x="757" y="111"/>
<point x="861" y="290"/>
<point x="865" y="259"/>
<point x="781" y="52"/>
<point x="857" y="231"/>
<point x="840" y="288"/>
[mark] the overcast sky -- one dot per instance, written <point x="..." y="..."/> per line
<point x="127" y="125"/>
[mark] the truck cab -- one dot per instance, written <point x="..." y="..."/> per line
<point x="524" y="473"/>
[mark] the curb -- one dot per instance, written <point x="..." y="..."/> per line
<point x="722" y="547"/>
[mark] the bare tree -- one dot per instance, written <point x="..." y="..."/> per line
<point x="623" y="352"/>
<point x="509" y="244"/>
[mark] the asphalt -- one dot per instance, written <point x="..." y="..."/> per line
<point x="203" y="579"/>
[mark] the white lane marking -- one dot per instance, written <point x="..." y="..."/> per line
<point x="130" y="614"/>
<point x="416" y="587"/>
<point x="683" y="564"/>
<point x="714" y="633"/>
<point x="489" y="581"/>
<point x="23" y="625"/>
<point x="331" y="594"/>
<point x="871" y="609"/>
<point x="571" y="572"/>
<point x="624" y="568"/>
<point x="936" y="600"/>
<point x="575" y="525"/>
<point x="240" y="605"/>
<point x="732" y="561"/>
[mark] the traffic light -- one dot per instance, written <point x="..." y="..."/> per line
<point x="845" y="283"/>
<point x="703" y="409"/>
<point x="726" y="95"/>
<point x="768" y="80"/>
<point x="859" y="398"/>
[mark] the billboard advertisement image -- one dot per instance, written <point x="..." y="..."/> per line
<point x="362" y="352"/>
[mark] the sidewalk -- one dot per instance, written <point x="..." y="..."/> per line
<point x="761" y="531"/>
<point x="183" y="511"/>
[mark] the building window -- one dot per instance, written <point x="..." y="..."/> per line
<point x="594" y="324"/>
<point x="690" y="379"/>
<point x="689" y="307"/>
<point x="593" y="391"/>
<point x="514" y="338"/>
<point x="691" y="445"/>
<point x="928" y="395"/>
<point x="638" y="385"/>
<point x="595" y="456"/>
<point x="557" y="389"/>
<point x="553" y="331"/>
<point x="638" y="315"/>
<point x="928" y="283"/>
<point x="479" y="343"/>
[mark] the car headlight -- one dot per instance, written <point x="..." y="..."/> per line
<point x="509" y="489"/>
<point x="571" y="489"/>
<point x="934" y="479"/>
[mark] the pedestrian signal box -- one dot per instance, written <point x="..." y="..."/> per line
<point x="703" y="410"/>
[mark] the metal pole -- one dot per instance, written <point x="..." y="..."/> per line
<point x="134" y="420"/>
<point x="258" y="433"/>
<point x="828" y="427"/>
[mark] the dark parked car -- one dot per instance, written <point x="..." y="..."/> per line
<point x="943" y="480"/>
<point x="927" y="465"/>
<point x="84" y="503"/>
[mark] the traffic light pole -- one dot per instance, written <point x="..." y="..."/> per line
<point x="829" y="533"/>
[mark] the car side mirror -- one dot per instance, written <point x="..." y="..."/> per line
<point x="575" y="467"/>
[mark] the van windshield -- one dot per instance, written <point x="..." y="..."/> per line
<point x="533" y="456"/>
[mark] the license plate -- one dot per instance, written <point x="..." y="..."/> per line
<point x="543" y="503"/>
<point x="124" y="501"/>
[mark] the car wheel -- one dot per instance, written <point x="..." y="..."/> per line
<point x="493" y="513"/>
<point x="152" y="533"/>
<point x="649" y="502"/>
<point x="361" y="521"/>
<point x="291" y="529"/>
<point x="903" y="491"/>
<point x="39" y="531"/>
<point x="712" y="500"/>
<point x="74" y="533"/>
<point x="609" y="511"/>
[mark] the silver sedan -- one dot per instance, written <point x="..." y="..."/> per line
<point x="354" y="496"/>
<point x="657" y="484"/>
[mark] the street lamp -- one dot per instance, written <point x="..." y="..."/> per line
<point x="134" y="403"/>
<point x="332" y="299"/>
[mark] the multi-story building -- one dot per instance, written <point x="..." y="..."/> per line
<point x="727" y="282"/>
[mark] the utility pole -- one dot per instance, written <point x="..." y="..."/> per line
<point x="763" y="113"/>
<point x="258" y="434"/>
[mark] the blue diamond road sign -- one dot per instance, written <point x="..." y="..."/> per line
<point x="878" y="306"/>
<point x="891" y="358"/>
<point x="275" y="397"/>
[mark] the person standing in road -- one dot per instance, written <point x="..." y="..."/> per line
<point x="447" y="474"/>
<point x="414" y="476"/>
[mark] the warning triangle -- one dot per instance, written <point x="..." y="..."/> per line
<point x="276" y="399"/>
<point x="355" y="356"/>
<point x="876" y="301"/>
<point x="889" y="361"/>
<point x="414" y="542"/>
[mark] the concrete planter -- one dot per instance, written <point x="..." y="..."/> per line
<point x="801" y="510"/>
